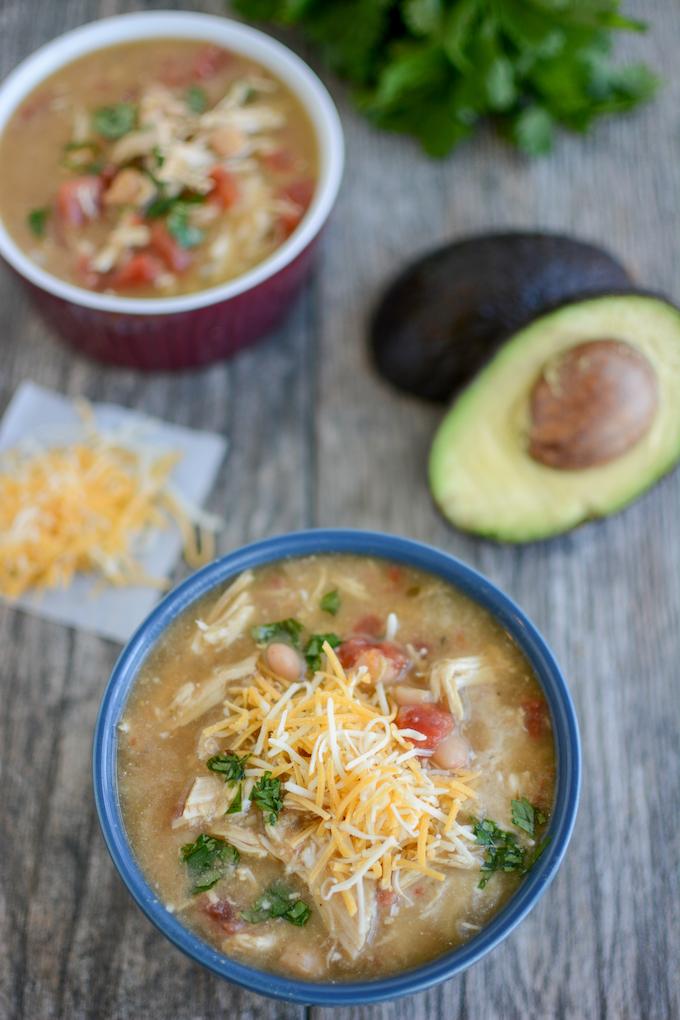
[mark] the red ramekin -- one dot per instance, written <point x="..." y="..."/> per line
<point x="193" y="329"/>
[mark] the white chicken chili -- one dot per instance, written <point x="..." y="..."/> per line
<point x="156" y="168"/>
<point x="336" y="767"/>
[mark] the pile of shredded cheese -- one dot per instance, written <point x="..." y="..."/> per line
<point x="84" y="507"/>
<point x="374" y="810"/>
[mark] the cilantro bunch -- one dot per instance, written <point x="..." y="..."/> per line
<point x="436" y="69"/>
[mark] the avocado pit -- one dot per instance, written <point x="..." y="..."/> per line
<point x="591" y="404"/>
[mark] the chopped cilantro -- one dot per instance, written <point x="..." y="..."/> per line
<point x="158" y="155"/>
<point x="186" y="235"/>
<point x="278" y="901"/>
<point x="236" y="806"/>
<point x="83" y="157"/>
<point x="162" y="204"/>
<point x="330" y="603"/>
<point x="438" y="69"/>
<point x="502" y="850"/>
<point x="526" y="816"/>
<point x="207" y="861"/>
<point x="114" y="121"/>
<point x="268" y="796"/>
<point x="314" y="648"/>
<point x="37" y="221"/>
<point x="228" y="765"/>
<point x="283" y="630"/>
<point x="196" y="98"/>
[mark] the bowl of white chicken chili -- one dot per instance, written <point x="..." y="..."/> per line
<point x="336" y="766"/>
<point x="164" y="177"/>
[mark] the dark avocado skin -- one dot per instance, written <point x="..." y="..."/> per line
<point x="447" y="313"/>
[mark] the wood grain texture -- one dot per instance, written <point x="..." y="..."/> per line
<point x="317" y="439"/>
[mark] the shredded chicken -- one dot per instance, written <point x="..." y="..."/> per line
<point x="129" y="233"/>
<point x="448" y="676"/>
<point x="193" y="700"/>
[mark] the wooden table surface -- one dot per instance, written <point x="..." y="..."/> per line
<point x="316" y="439"/>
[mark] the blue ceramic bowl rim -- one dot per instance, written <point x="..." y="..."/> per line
<point x="366" y="543"/>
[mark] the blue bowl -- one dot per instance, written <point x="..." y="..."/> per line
<point x="365" y="543"/>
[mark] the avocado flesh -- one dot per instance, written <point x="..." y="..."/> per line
<point x="481" y="476"/>
<point x="449" y="311"/>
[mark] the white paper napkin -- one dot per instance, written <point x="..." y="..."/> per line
<point x="87" y="604"/>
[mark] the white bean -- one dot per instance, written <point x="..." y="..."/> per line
<point x="284" y="661"/>
<point x="404" y="694"/>
<point x="453" y="752"/>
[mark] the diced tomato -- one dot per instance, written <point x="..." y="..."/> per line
<point x="209" y="60"/>
<point x="226" y="192"/>
<point x="38" y="104"/>
<point x="300" y="193"/>
<point x="433" y="722"/>
<point x="107" y="173"/>
<point x="370" y="624"/>
<point x="395" y="574"/>
<point x="224" y="912"/>
<point x="139" y="269"/>
<point x="386" y="898"/>
<point x="79" y="200"/>
<point x="350" y="651"/>
<point x="163" y="244"/>
<point x="536" y="717"/>
<point x="279" y="161"/>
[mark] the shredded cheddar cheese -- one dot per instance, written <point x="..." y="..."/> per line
<point x="84" y="507"/>
<point x="371" y="806"/>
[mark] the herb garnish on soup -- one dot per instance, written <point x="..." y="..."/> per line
<point x="157" y="168"/>
<point x="336" y="805"/>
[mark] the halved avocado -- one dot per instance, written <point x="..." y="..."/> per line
<point x="576" y="416"/>
<point x="447" y="313"/>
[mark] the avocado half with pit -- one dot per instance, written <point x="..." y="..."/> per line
<point x="576" y="415"/>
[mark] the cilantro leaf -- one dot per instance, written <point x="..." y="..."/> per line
<point x="83" y="157"/>
<point x="523" y="815"/>
<point x="114" y="121"/>
<point x="330" y="603"/>
<point x="533" y="131"/>
<point x="314" y="649"/>
<point x="160" y="205"/>
<point x="278" y="901"/>
<point x="196" y="98"/>
<point x="228" y="765"/>
<point x="282" y="630"/>
<point x="37" y="221"/>
<point x="267" y="794"/>
<point x="207" y="861"/>
<point x="186" y="235"/>
<point x="527" y="816"/>
<point x="236" y="806"/>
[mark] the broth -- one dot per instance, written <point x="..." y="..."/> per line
<point x="156" y="168"/>
<point x="478" y="731"/>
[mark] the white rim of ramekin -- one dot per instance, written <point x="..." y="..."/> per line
<point x="231" y="35"/>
